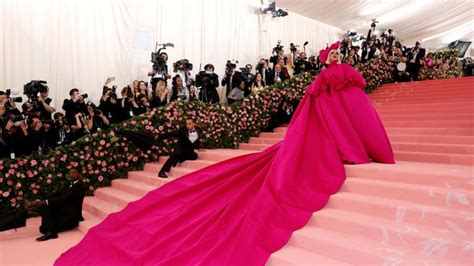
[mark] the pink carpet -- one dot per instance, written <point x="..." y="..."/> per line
<point x="417" y="211"/>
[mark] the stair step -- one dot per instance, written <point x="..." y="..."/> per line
<point x="443" y="158"/>
<point x="429" y="131"/>
<point x="440" y="139"/>
<point x="90" y="221"/>
<point x="253" y="147"/>
<point x="290" y="255"/>
<point x="418" y="106"/>
<point x="434" y="148"/>
<point x="115" y="196"/>
<point x="99" y="207"/>
<point x="402" y="210"/>
<point x="422" y="111"/>
<point x="427" y="117"/>
<point x="221" y="154"/>
<point x="469" y="124"/>
<point x="393" y="234"/>
<point x="436" y="196"/>
<point x="268" y="141"/>
<point x="353" y="249"/>
<point x="425" y="174"/>
<point x="272" y="135"/>
<point x="133" y="187"/>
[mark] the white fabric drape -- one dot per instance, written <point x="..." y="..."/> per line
<point x="74" y="43"/>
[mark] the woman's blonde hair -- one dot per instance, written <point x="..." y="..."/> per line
<point x="328" y="60"/>
<point x="160" y="88"/>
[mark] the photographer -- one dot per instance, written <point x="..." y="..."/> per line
<point x="248" y="78"/>
<point x="232" y="78"/>
<point x="263" y="68"/>
<point x="62" y="130"/>
<point x="74" y="105"/>
<point x="143" y="105"/>
<point x="183" y="69"/>
<point x="108" y="102"/>
<point x="159" y="71"/>
<point x="414" y="57"/>
<point x="95" y="119"/>
<point x="178" y="91"/>
<point x="15" y="136"/>
<point x="302" y="64"/>
<point x="36" y="135"/>
<point x="208" y="81"/>
<point x="127" y="104"/>
<point x="44" y="104"/>
<point x="277" y="54"/>
<point x="9" y="104"/>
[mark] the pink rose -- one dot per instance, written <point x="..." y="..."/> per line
<point x="102" y="142"/>
<point x="133" y="122"/>
<point x="6" y="194"/>
<point x="100" y="178"/>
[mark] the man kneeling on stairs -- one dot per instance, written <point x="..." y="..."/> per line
<point x="188" y="141"/>
<point x="61" y="211"/>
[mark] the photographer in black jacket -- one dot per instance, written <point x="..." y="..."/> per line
<point x="74" y="105"/>
<point x="208" y="81"/>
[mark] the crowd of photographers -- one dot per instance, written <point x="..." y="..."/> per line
<point x="406" y="61"/>
<point x="35" y="126"/>
<point x="38" y="126"/>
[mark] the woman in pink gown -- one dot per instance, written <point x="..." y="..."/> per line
<point x="240" y="211"/>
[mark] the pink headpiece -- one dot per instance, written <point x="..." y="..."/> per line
<point x="323" y="54"/>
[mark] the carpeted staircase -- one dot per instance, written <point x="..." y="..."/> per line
<point x="418" y="211"/>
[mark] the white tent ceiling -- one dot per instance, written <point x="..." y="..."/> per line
<point x="435" y="23"/>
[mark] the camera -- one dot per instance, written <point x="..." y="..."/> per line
<point x="159" y="63"/>
<point x="32" y="89"/>
<point x="85" y="95"/>
<point x="248" y="77"/>
<point x="97" y="111"/>
<point x="14" y="99"/>
<point x="229" y="67"/>
<point x="203" y="79"/>
<point x="182" y="64"/>
<point x="278" y="47"/>
<point x="293" y="47"/>
<point x="374" y="23"/>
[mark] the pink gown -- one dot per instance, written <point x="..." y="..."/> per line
<point x="240" y="211"/>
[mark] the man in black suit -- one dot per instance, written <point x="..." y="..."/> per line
<point x="414" y="58"/>
<point x="188" y="141"/>
<point x="63" y="210"/>
<point x="277" y="75"/>
<point x="232" y="79"/>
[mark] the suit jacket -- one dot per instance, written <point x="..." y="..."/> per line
<point x="271" y="81"/>
<point x="184" y="145"/>
<point x="67" y="202"/>
<point x="236" y="79"/>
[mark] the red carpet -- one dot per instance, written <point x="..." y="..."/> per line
<point x="417" y="211"/>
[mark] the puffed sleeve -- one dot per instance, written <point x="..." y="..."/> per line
<point x="319" y="85"/>
<point x="354" y="77"/>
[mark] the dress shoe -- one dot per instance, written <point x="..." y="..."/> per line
<point x="47" y="236"/>
<point x="162" y="175"/>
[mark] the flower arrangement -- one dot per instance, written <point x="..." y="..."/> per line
<point x="105" y="156"/>
<point x="378" y="71"/>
